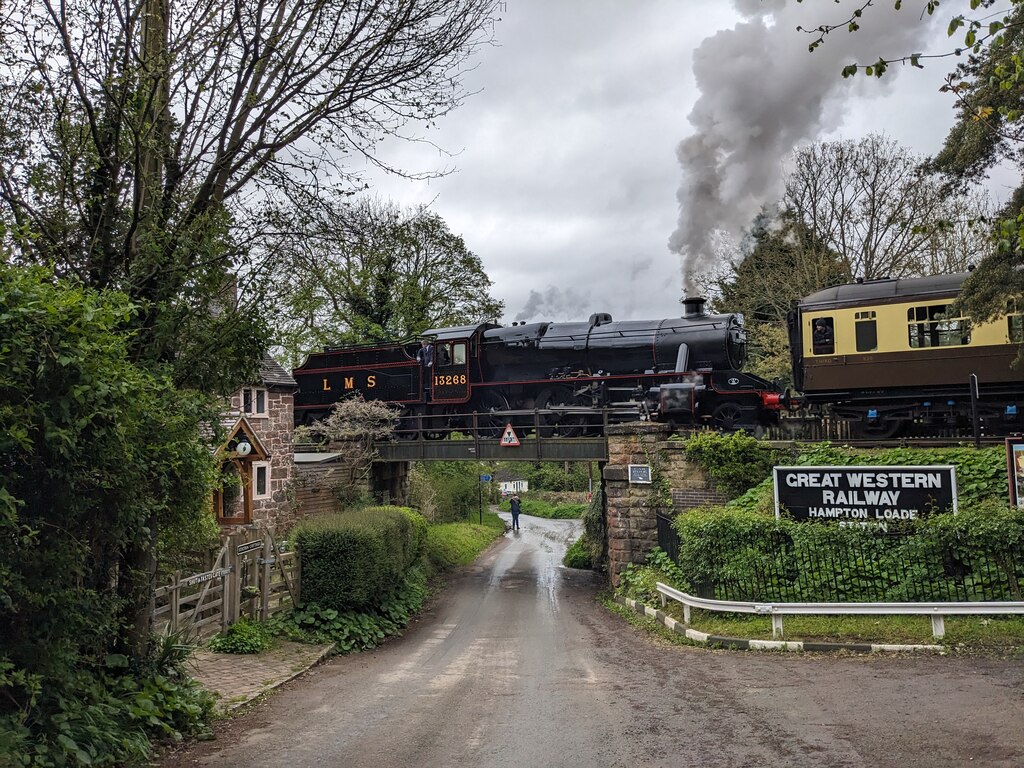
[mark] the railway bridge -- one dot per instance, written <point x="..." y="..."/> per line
<point x="643" y="474"/>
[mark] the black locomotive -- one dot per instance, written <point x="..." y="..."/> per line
<point x="566" y="379"/>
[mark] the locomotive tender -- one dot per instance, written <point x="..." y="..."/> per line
<point x="684" y="369"/>
<point x="896" y="357"/>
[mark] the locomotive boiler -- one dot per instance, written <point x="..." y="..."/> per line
<point x="568" y="378"/>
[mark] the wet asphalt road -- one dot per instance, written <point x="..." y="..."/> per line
<point x="516" y="664"/>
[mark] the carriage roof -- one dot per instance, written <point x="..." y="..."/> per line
<point x="885" y="291"/>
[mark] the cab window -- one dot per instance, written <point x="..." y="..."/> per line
<point x="459" y="353"/>
<point x="823" y="338"/>
<point x="932" y="326"/>
<point x="865" y="331"/>
<point x="443" y="354"/>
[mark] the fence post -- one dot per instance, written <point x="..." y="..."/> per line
<point x="297" y="580"/>
<point x="175" y="593"/>
<point x="232" y="596"/>
<point x="265" y="572"/>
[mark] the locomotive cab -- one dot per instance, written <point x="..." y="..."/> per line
<point x="456" y="364"/>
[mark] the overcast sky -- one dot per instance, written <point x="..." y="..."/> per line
<point x="567" y="181"/>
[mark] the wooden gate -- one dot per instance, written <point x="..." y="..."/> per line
<point x="250" y="577"/>
<point x="195" y="601"/>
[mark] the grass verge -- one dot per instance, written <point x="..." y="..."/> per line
<point x="1001" y="635"/>
<point x="451" y="544"/>
<point x="547" y="509"/>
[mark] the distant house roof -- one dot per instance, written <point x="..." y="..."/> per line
<point x="273" y="375"/>
<point x="316" y="458"/>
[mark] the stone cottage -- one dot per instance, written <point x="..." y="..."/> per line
<point x="258" y="458"/>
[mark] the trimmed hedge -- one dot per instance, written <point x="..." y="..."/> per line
<point x="742" y="555"/>
<point x="352" y="560"/>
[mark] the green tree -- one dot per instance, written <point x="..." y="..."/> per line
<point x="786" y="263"/>
<point x="988" y="130"/>
<point x="370" y="271"/>
<point x="95" y="453"/>
<point x="144" y="144"/>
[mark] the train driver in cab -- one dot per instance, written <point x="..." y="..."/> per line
<point x="822" y="339"/>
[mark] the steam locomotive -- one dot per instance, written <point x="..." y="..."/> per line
<point x="564" y="379"/>
<point x="895" y="357"/>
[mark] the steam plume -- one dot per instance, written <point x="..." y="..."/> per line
<point x="762" y="95"/>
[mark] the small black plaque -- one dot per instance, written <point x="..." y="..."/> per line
<point x="640" y="473"/>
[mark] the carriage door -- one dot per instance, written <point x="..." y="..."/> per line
<point x="451" y="372"/>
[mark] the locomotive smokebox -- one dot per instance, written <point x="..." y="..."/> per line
<point x="694" y="306"/>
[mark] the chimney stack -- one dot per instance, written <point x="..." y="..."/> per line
<point x="694" y="306"/>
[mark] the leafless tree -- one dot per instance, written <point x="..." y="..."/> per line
<point x="141" y="141"/>
<point x="869" y="202"/>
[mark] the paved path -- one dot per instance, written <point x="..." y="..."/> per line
<point x="236" y="679"/>
<point x="518" y="666"/>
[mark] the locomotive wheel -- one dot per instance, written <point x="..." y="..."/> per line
<point x="727" y="416"/>
<point x="876" y="430"/>
<point x="560" y="424"/>
<point x="405" y="428"/>
<point x="488" y="401"/>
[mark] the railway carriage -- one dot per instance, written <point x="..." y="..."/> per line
<point x="895" y="355"/>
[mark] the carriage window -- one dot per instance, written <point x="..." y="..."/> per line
<point x="866" y="331"/>
<point x="823" y="340"/>
<point x="459" y="354"/>
<point x="929" y="326"/>
<point x="1015" y="321"/>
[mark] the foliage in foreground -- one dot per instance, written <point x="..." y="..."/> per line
<point x="98" y="454"/>
<point x="105" y="715"/>
<point x="242" y="637"/>
<point x="353" y="631"/>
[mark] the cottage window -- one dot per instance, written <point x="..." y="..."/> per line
<point x="260" y="480"/>
<point x="254" y="401"/>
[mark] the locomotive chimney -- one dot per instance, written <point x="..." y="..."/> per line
<point x="694" y="306"/>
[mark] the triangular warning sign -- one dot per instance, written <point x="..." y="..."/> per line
<point x="509" y="437"/>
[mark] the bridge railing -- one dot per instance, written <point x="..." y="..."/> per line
<point x="556" y="421"/>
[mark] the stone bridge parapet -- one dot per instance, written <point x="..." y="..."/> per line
<point x="632" y="507"/>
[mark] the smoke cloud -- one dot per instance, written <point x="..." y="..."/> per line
<point x="762" y="95"/>
<point x="556" y="305"/>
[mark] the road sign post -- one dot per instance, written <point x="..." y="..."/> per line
<point x="480" y="495"/>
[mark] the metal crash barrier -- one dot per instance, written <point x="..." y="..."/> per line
<point x="937" y="611"/>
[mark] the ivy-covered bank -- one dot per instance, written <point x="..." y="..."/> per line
<point x="737" y="549"/>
